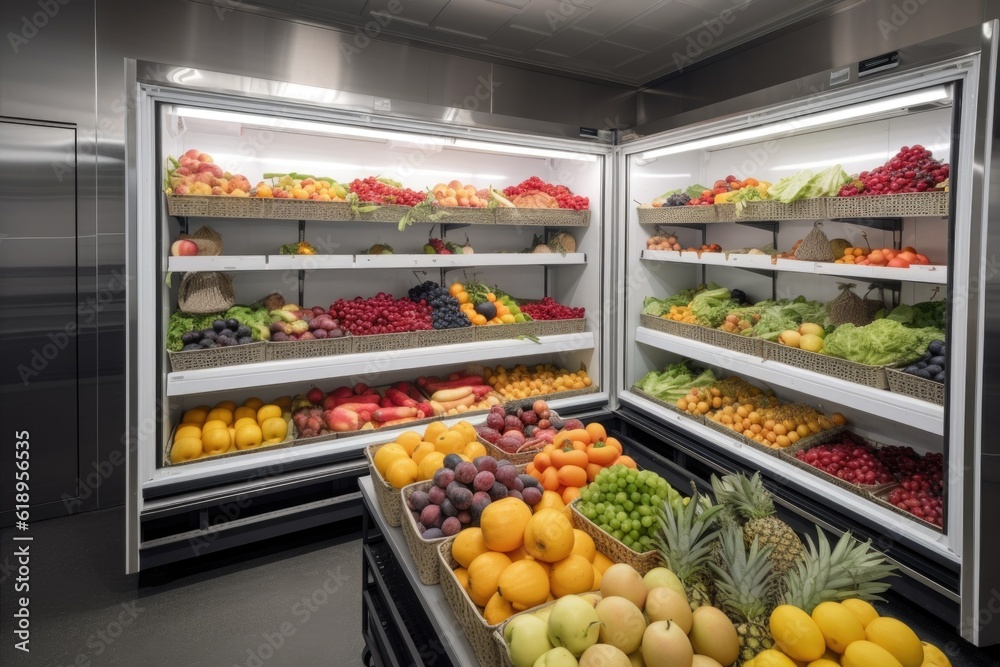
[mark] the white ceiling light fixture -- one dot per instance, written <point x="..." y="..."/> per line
<point x="814" y="120"/>
<point x="850" y="159"/>
<point x="509" y="149"/>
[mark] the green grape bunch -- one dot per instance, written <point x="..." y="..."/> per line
<point x="623" y="502"/>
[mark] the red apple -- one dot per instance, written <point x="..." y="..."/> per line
<point x="183" y="248"/>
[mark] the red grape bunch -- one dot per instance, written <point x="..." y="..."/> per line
<point x="563" y="196"/>
<point x="381" y="314"/>
<point x="847" y="460"/>
<point x="375" y="191"/>
<point x="912" y="169"/>
<point x="550" y="309"/>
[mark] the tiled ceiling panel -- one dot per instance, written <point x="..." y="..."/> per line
<point x="630" y="42"/>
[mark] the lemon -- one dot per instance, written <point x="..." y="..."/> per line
<point x="796" y="634"/>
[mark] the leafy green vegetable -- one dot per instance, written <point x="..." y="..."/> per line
<point x="180" y="323"/>
<point x="674" y="382"/>
<point x="258" y="319"/>
<point x="659" y="307"/>
<point x="695" y="191"/>
<point x="919" y="315"/>
<point x="785" y="314"/>
<point x="790" y="188"/>
<point x="741" y="197"/>
<point x="710" y="307"/>
<point x="880" y="343"/>
<point x="826" y="183"/>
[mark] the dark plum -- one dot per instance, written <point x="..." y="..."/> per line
<point x="465" y="472"/>
<point x="506" y="475"/>
<point x="450" y="526"/>
<point x="232" y="323"/>
<point x="465" y="517"/>
<point x="527" y="480"/>
<point x="443" y="477"/>
<point x="452" y="460"/>
<point x="448" y="508"/>
<point x="436" y="495"/>
<point x="498" y="491"/>
<point x="485" y="463"/>
<point x="419" y="500"/>
<point x="484" y="481"/>
<point x="431" y="516"/>
<point x="218" y="325"/>
<point x="518" y="484"/>
<point x="461" y="498"/>
<point x="432" y="534"/>
<point x="515" y="494"/>
<point x="531" y="495"/>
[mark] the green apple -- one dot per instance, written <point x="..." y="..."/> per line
<point x="811" y="328"/>
<point x="557" y="657"/>
<point x="811" y="343"/>
<point x="527" y="638"/>
<point x="574" y="624"/>
<point x="662" y="577"/>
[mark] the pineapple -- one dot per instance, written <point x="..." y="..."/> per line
<point x="744" y="584"/>
<point x="851" y="570"/>
<point x="685" y="539"/>
<point x="748" y="499"/>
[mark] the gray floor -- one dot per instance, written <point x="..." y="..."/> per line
<point x="295" y="603"/>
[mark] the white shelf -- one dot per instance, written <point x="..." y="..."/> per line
<point x="319" y="262"/>
<point x="322" y="368"/>
<point x="879" y="402"/>
<point x="890" y="522"/>
<point x="933" y="274"/>
<point x="477" y="259"/>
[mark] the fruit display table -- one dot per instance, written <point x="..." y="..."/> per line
<point x="404" y="622"/>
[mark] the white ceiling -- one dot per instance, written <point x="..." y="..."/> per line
<point x="627" y="41"/>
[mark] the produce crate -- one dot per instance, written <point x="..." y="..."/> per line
<point x="769" y="209"/>
<point x="882" y="499"/>
<point x="676" y="215"/>
<point x="306" y="349"/>
<point x="446" y="336"/>
<point x="391" y="214"/>
<point x="289" y="441"/>
<point x="870" y="376"/>
<point x="388" y="496"/>
<point x="385" y="342"/>
<point x="917" y="387"/>
<point x="739" y="437"/>
<point x="660" y="324"/>
<point x="505" y="331"/>
<point x="558" y="327"/>
<point x="424" y="552"/>
<point x="735" y="342"/>
<point x="476" y="629"/>
<point x="906" y="205"/>
<point x="612" y="548"/>
<point x="213" y="206"/>
<point x="788" y="455"/>
<point x="548" y="217"/>
<point x="726" y="213"/>
<point x="690" y="331"/>
<point x="669" y="406"/>
<point x="467" y="215"/>
<point x="233" y="355"/>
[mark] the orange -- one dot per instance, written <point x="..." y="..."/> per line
<point x="243" y="412"/>
<point x="221" y="414"/>
<point x="597" y="579"/>
<point x="524" y="584"/>
<point x="583" y="545"/>
<point x="468" y="544"/>
<point x="548" y="536"/>
<point x="215" y="441"/>
<point x="552" y="501"/>
<point x="249" y="436"/>
<point x="267" y="411"/>
<point x="422" y="449"/>
<point x="255" y="403"/>
<point x="456" y="288"/>
<point x="467" y="430"/>
<point x="227" y="405"/>
<point x="515" y="555"/>
<point x="385" y="455"/>
<point x="429" y="465"/>
<point x="450" y="442"/>
<point x="463" y="578"/>
<point x="571" y="576"/>
<point x="484" y="576"/>
<point x="433" y="430"/>
<point x="195" y="416"/>
<point x="602" y="562"/>
<point x="474" y="449"/>
<point x="503" y="524"/>
<point x="401" y="472"/>
<point x="497" y="610"/>
<point x="409" y="441"/>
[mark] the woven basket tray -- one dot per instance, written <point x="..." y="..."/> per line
<point x="676" y="215"/>
<point x="612" y="548"/>
<point x="304" y="349"/>
<point x="467" y="215"/>
<point x="739" y="437"/>
<point x="547" y="217"/>
<point x="690" y="331"/>
<point x="788" y="455"/>
<point x="870" y="376"/>
<point x="251" y="353"/>
<point x="477" y="631"/>
<point x="391" y="214"/>
<point x="669" y="406"/>
<point x="289" y="441"/>
<point x="914" y="204"/>
<point x="660" y="324"/>
<point x="385" y="342"/>
<point x="388" y="496"/>
<point x="558" y="327"/>
<point x="736" y="343"/>
<point x="212" y="206"/>
<point x="505" y="331"/>
<point x="917" y="387"/>
<point x="424" y="552"/>
<point x="446" y="336"/>
<point x="804" y="209"/>
<point x="881" y="499"/>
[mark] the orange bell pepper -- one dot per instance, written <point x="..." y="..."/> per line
<point x="602" y="453"/>
<point x="564" y="438"/>
<point x="542" y="461"/>
<point x="572" y="475"/>
<point x="592" y="470"/>
<point x="613" y="442"/>
<point x="569" y="456"/>
<point x="627" y="462"/>
<point x="570" y="494"/>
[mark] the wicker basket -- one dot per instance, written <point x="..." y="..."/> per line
<point x="735" y="342"/>
<point x="391" y="214"/>
<point x="446" y="336"/>
<point x="385" y="342"/>
<point x="206" y="292"/>
<point x="769" y="209"/>
<point x="676" y="215"/>
<point x="612" y="548"/>
<point x="788" y="455"/>
<point x="505" y="331"/>
<point x="233" y="355"/>
<point x="213" y="206"/>
<point x="477" y="631"/>
<point x="467" y="215"/>
<point x="547" y="217"/>
<point x="306" y="349"/>
<point x="908" y="205"/>
<point x="739" y="437"/>
<point x="208" y="240"/>
<point x="388" y="495"/>
<point x="690" y="331"/>
<point x="289" y="441"/>
<point x="559" y="327"/>
<point x="660" y="324"/>
<point x="424" y="552"/>
<point x="882" y="499"/>
<point x="917" y="387"/>
<point x="870" y="376"/>
<point x="669" y="406"/>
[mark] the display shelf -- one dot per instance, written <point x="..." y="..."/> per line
<point x="477" y="259"/>
<point x="890" y="522"/>
<point x="879" y="402"/>
<point x="933" y="274"/>
<point x="309" y="262"/>
<point x="217" y="263"/>
<point x="345" y="365"/>
<point x="449" y="632"/>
